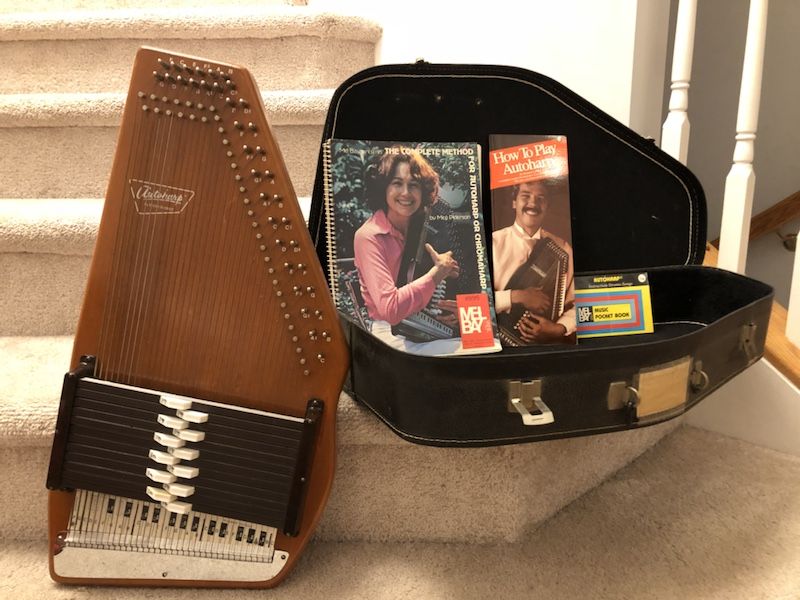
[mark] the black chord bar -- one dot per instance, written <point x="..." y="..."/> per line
<point x="249" y="463"/>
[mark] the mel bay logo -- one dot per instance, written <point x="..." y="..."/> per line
<point x="158" y="199"/>
<point x="472" y="319"/>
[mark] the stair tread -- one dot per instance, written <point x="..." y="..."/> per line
<point x="187" y="23"/>
<point x="65" y="226"/>
<point x="699" y="515"/>
<point x="104" y="109"/>
<point x="34" y="369"/>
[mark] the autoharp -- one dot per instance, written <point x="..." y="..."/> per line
<point x="546" y="268"/>
<point x="427" y="324"/>
<point x="194" y="444"/>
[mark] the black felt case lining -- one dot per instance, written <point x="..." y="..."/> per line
<point x="632" y="205"/>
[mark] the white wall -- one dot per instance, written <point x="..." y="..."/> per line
<point x="758" y="406"/>
<point x="588" y="46"/>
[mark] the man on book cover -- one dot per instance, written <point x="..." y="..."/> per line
<point x="512" y="247"/>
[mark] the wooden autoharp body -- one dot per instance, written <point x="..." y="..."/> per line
<point x="195" y="437"/>
<point x="546" y="268"/>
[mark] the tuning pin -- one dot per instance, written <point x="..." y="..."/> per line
<point x="158" y="76"/>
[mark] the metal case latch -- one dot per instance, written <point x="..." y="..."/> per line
<point x="525" y="397"/>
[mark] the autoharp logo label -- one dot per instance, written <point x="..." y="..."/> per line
<point x="158" y="199"/>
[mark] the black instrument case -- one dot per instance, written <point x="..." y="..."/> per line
<point x="634" y="208"/>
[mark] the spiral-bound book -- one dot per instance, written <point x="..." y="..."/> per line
<point x="407" y="246"/>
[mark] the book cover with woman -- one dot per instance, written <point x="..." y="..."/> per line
<point x="408" y="252"/>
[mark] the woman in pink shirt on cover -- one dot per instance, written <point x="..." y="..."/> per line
<point x="397" y="187"/>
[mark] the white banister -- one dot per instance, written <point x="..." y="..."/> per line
<point x="675" y="132"/>
<point x="793" y="311"/>
<point x="737" y="204"/>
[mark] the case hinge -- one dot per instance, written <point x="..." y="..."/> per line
<point x="525" y="398"/>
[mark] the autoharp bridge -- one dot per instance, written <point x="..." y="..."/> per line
<point x="197" y="447"/>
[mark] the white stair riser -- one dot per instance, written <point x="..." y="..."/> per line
<point x="297" y="62"/>
<point x="407" y="492"/>
<point x="75" y="162"/>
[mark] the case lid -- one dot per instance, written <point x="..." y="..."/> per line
<point x="633" y="206"/>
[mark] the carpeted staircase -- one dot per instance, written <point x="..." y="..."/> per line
<point x="403" y="520"/>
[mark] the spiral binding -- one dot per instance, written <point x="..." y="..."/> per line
<point x="329" y="221"/>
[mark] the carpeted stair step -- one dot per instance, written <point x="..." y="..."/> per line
<point x="698" y="516"/>
<point x="62" y="145"/>
<point x="284" y="47"/>
<point x="62" y="5"/>
<point x="45" y="252"/>
<point x="385" y="488"/>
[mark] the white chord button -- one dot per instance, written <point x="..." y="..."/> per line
<point x="184" y="471"/>
<point x="172" y="422"/>
<point x="176" y="402"/>
<point x="167" y="440"/>
<point x="163" y="458"/>
<point x="160" y="476"/>
<point x="190" y="435"/>
<point x="182" y="508"/>
<point x="179" y="489"/>
<point x="193" y="416"/>
<point x="184" y="453"/>
<point x="159" y="494"/>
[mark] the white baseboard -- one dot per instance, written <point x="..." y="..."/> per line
<point x="759" y="406"/>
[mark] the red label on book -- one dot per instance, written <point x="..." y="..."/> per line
<point x="474" y="320"/>
<point x="544" y="159"/>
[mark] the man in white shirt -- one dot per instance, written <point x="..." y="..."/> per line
<point x="511" y="247"/>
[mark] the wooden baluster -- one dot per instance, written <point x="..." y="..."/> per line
<point x="675" y="132"/>
<point x="793" y="313"/>
<point x="739" y="185"/>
